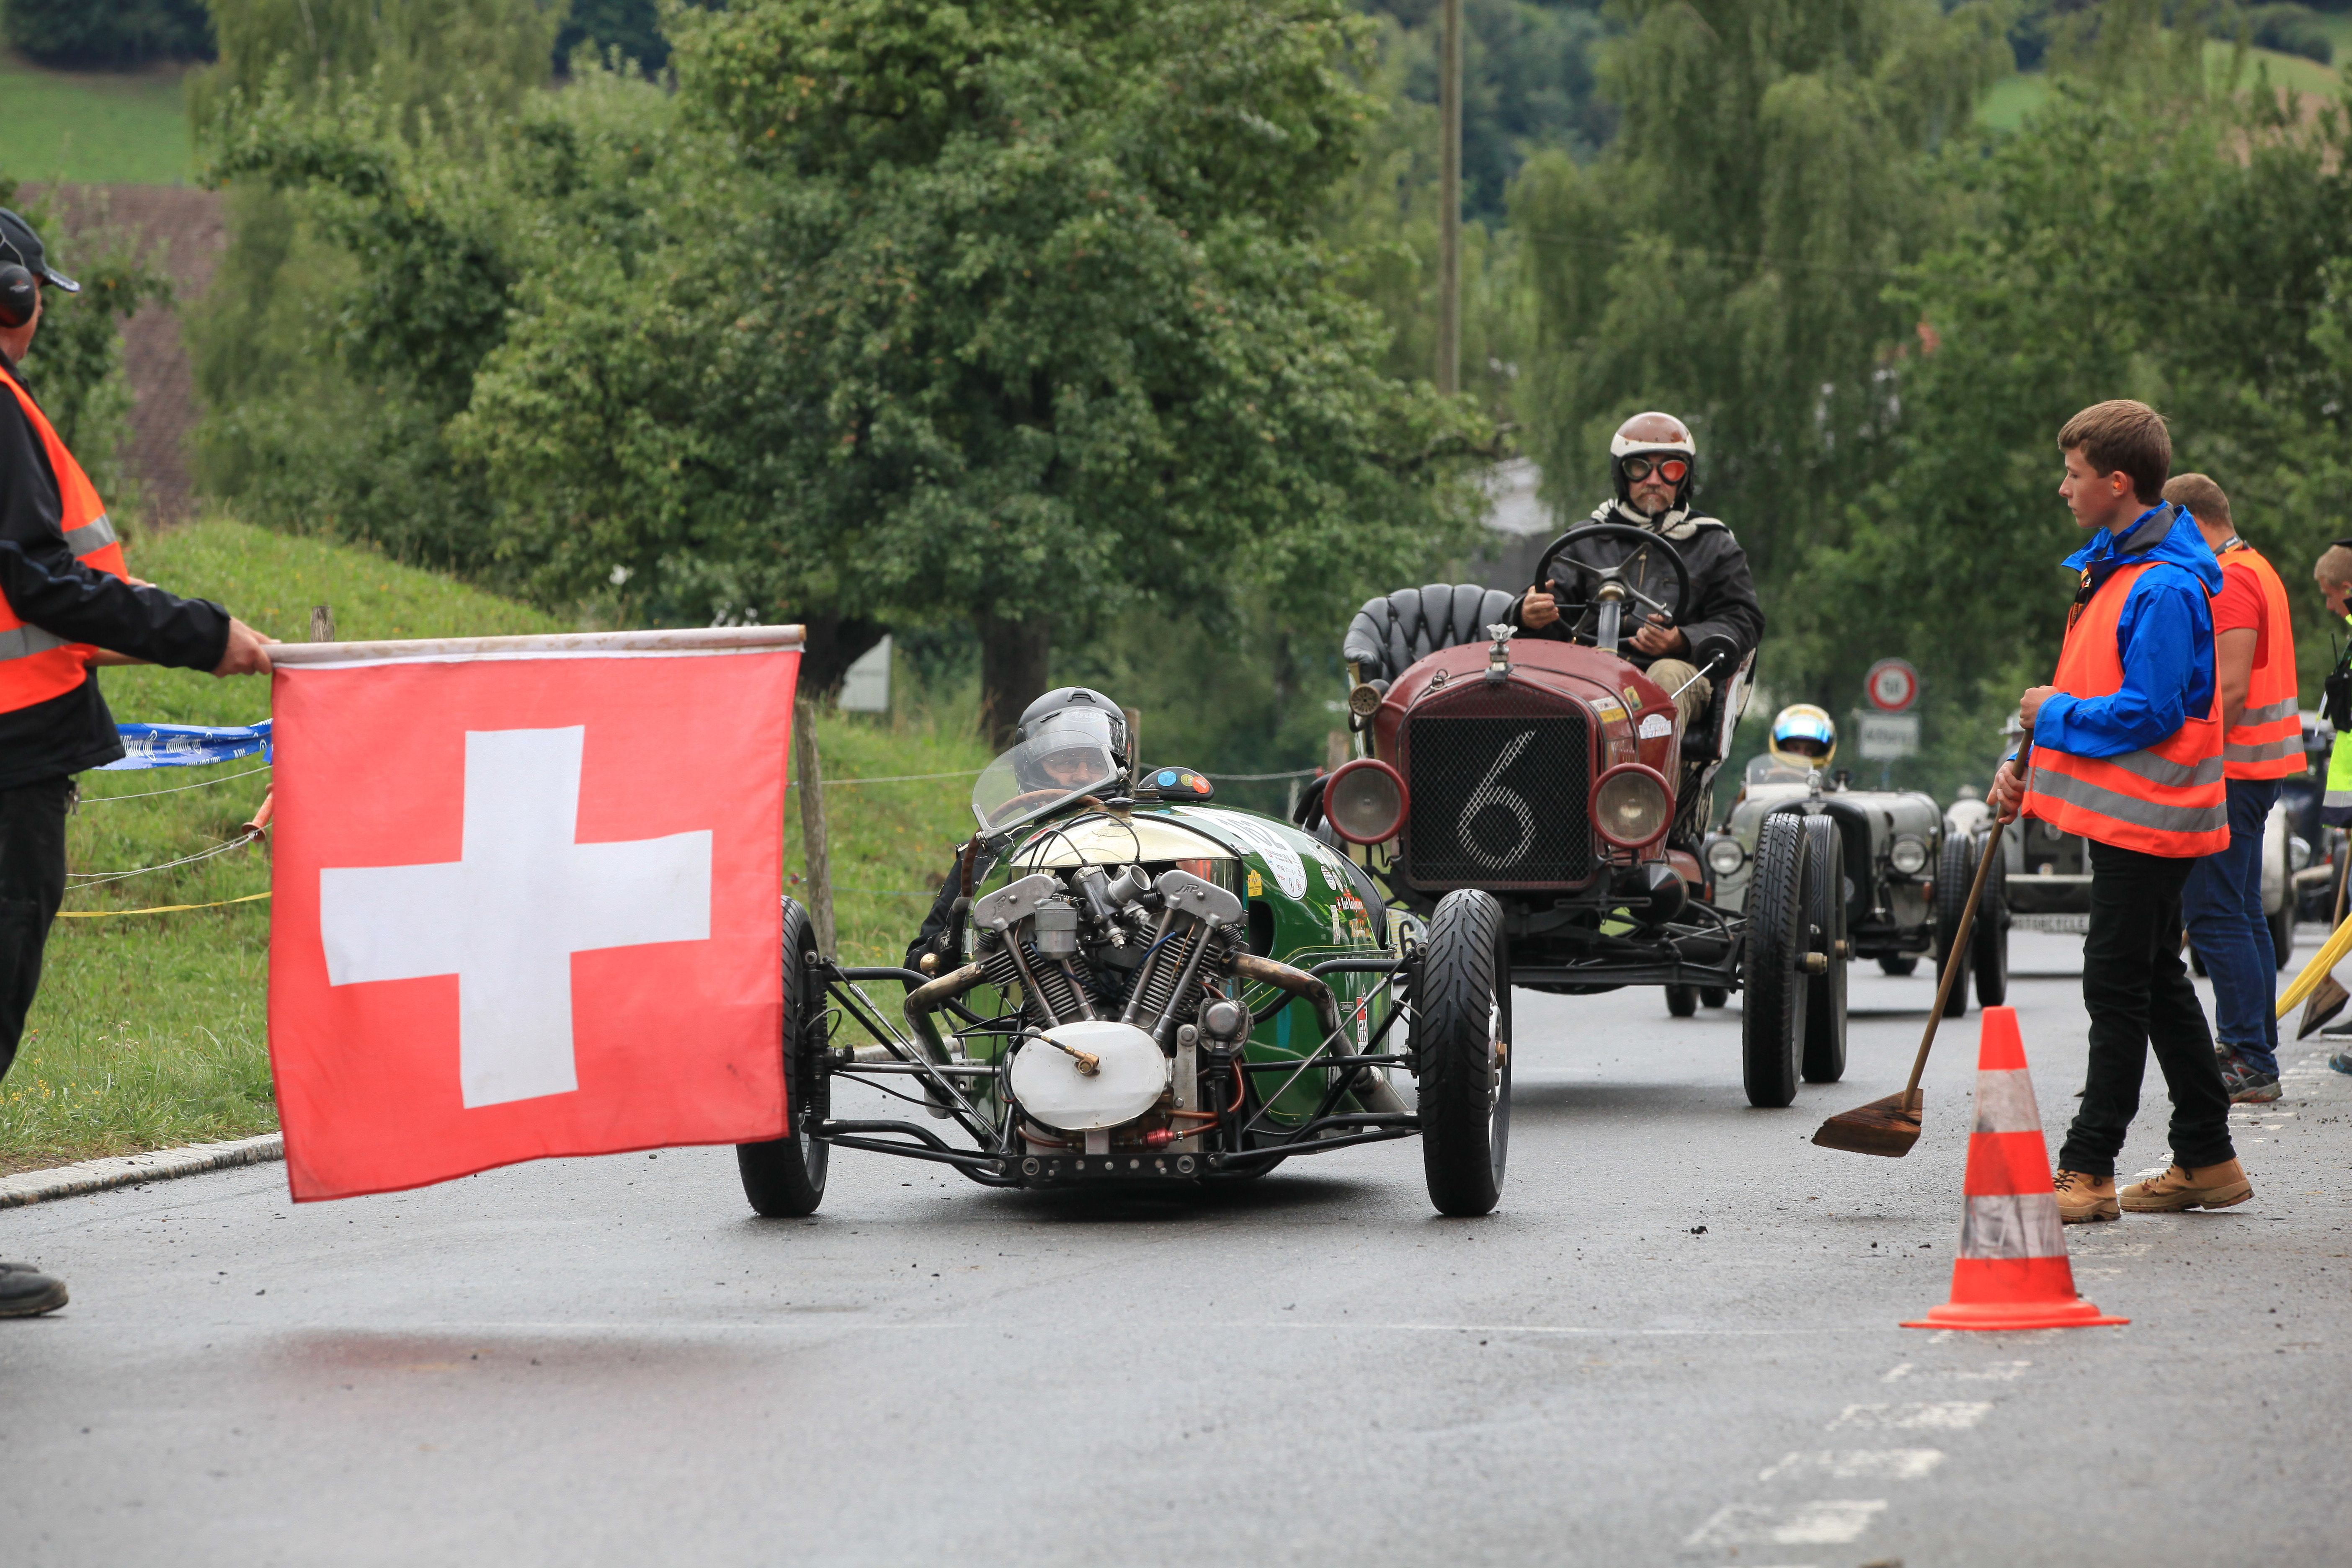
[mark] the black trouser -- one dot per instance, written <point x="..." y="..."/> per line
<point x="32" y="885"/>
<point x="2139" y="995"/>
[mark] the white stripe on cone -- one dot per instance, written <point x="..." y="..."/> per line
<point x="2005" y="1102"/>
<point x="2013" y="1225"/>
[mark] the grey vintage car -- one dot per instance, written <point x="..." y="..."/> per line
<point x="1908" y="871"/>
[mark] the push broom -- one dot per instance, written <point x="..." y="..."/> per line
<point x="1890" y="1126"/>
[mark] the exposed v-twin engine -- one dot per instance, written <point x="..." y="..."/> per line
<point x="1110" y="971"/>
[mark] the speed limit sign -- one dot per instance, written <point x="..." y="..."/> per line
<point x="1892" y="686"/>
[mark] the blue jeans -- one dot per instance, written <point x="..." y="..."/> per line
<point x="2223" y="904"/>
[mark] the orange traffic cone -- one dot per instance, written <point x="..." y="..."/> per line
<point x="2012" y="1271"/>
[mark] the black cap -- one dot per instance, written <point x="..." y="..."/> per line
<point x="20" y="244"/>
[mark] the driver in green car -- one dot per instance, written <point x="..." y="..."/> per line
<point x="1070" y="742"/>
<point x="1653" y="461"/>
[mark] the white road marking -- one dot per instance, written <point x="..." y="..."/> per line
<point x="1931" y="1416"/>
<point x="1827" y="1522"/>
<point x="1857" y="1464"/>
<point x="1991" y="1371"/>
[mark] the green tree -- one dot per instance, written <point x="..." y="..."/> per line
<point x="2129" y="241"/>
<point x="1727" y="258"/>
<point x="325" y="385"/>
<point x="1011" y="311"/>
<point x="107" y="33"/>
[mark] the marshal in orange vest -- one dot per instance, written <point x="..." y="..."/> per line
<point x="2167" y="799"/>
<point x="2266" y="742"/>
<point x="35" y="666"/>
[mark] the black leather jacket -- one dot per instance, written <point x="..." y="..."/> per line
<point x="1723" y="593"/>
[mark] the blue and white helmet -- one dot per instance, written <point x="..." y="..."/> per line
<point x="1804" y="736"/>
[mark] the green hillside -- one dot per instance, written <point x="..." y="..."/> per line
<point x="93" y="127"/>
<point x="2006" y="106"/>
<point x="150" y="1031"/>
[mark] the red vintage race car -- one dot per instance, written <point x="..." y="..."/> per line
<point x="1540" y="803"/>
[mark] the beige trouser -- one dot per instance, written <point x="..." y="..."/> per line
<point x="1680" y="675"/>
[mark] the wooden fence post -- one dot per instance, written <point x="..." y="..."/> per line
<point x="810" y="772"/>
<point x="322" y="623"/>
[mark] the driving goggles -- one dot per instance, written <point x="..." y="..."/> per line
<point x="1671" y="469"/>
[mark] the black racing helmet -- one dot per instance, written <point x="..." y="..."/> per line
<point x="1062" y="725"/>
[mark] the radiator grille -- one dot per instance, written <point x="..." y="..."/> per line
<point x="1499" y="799"/>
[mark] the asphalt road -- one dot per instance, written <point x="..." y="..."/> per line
<point x="1675" y="1343"/>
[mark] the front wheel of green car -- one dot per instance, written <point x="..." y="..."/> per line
<point x="784" y="1178"/>
<point x="1462" y="1043"/>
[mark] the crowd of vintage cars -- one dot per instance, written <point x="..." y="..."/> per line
<point x="1141" y="987"/>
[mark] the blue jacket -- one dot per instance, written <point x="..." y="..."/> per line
<point x="2164" y="637"/>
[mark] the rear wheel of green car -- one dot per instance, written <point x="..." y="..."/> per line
<point x="1461" y="1048"/>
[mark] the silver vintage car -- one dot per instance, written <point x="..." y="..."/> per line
<point x="1910" y="868"/>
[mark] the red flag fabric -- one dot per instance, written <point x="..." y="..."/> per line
<point x="525" y="902"/>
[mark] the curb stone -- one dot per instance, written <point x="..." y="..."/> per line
<point x="128" y="1170"/>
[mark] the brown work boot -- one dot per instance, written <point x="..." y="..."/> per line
<point x="2205" y="1187"/>
<point x="2082" y="1197"/>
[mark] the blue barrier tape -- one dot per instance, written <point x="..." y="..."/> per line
<point x="187" y="745"/>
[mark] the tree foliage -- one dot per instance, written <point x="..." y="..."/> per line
<point x="1725" y="258"/>
<point x="2181" y="249"/>
<point x="1013" y="312"/>
<point x="107" y="35"/>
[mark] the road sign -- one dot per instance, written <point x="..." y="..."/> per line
<point x="1883" y="737"/>
<point x="1892" y="686"/>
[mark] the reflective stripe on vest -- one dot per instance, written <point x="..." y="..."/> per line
<point x="2266" y="742"/>
<point x="37" y="665"/>
<point x="2167" y="799"/>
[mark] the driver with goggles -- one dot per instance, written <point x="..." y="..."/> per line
<point x="1652" y="460"/>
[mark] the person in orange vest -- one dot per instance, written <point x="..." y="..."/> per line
<point x="64" y="595"/>
<point x="2126" y="751"/>
<point x="2261" y="742"/>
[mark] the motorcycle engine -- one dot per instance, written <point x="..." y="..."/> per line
<point x="1111" y="970"/>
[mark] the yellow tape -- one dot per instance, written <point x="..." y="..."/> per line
<point x="158" y="910"/>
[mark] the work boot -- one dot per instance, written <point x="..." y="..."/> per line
<point x="2247" y="1084"/>
<point x="2082" y="1198"/>
<point x="26" y="1292"/>
<point x="2204" y="1188"/>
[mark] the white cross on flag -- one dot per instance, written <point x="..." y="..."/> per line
<point x="526" y="899"/>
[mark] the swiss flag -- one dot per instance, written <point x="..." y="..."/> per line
<point x="525" y="905"/>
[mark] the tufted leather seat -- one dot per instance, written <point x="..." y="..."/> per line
<point x="1391" y="633"/>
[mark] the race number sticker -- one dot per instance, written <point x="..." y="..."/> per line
<point x="1289" y="873"/>
<point x="1335" y="874"/>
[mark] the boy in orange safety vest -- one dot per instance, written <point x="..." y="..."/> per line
<point x="2262" y="743"/>
<point x="2128" y="753"/>
<point x="64" y="595"/>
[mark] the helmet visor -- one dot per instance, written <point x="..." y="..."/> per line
<point x="1060" y="757"/>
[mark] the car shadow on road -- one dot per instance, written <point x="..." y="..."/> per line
<point x="1544" y="1101"/>
<point x="1279" y="1192"/>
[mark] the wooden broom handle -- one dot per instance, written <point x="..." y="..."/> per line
<point x="1953" y="961"/>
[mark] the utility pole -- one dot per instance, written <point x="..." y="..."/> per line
<point x="1449" y="204"/>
